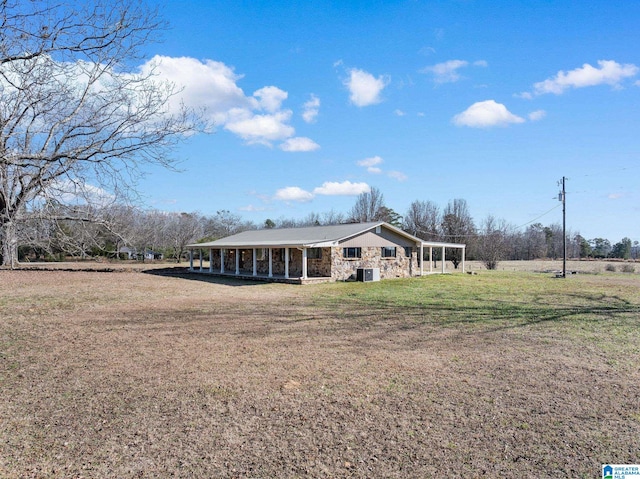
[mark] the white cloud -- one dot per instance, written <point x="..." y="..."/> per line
<point x="328" y="188"/>
<point x="486" y="114"/>
<point x="397" y="175"/>
<point x="399" y="112"/>
<point x="252" y="208"/>
<point x="311" y="109"/>
<point x="212" y="86"/>
<point x="537" y="115"/>
<point x="79" y="192"/>
<point x="260" y="128"/>
<point x="346" y="188"/>
<point x="427" y="51"/>
<point x="293" y="193"/>
<point x="447" y="72"/>
<point x="608" y="73"/>
<point x="370" y="164"/>
<point x="374" y="160"/>
<point x="270" y="98"/>
<point x="209" y="84"/>
<point x="364" y="88"/>
<point x="299" y="143"/>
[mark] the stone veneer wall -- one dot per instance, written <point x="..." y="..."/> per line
<point x="320" y="267"/>
<point x="315" y="267"/>
<point x="402" y="266"/>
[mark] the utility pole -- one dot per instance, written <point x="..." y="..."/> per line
<point x="563" y="197"/>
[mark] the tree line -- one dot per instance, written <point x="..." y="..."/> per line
<point x="46" y="236"/>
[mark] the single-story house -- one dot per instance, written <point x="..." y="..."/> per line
<point x="131" y="253"/>
<point x="127" y="252"/>
<point x="319" y="253"/>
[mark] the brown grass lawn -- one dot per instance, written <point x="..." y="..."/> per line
<point x="132" y="374"/>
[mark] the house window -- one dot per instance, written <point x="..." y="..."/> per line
<point x="314" y="253"/>
<point x="262" y="254"/>
<point x="407" y="251"/>
<point x="352" y="252"/>
<point x="388" y="252"/>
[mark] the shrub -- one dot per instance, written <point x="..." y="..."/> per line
<point x="610" y="267"/>
<point x="628" y="268"/>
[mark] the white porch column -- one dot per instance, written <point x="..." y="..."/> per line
<point x="430" y="259"/>
<point x="237" y="261"/>
<point x="270" y="263"/>
<point x="210" y="260"/>
<point x="221" y="260"/>
<point x="443" y="262"/>
<point x="304" y="263"/>
<point x="190" y="260"/>
<point x="286" y="263"/>
<point x="255" y="262"/>
<point x="421" y="259"/>
<point x="463" y="251"/>
<point x="200" y="259"/>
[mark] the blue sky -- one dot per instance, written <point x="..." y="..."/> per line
<point x="490" y="101"/>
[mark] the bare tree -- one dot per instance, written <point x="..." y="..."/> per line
<point x="553" y="236"/>
<point x="492" y="241"/>
<point x="457" y="227"/>
<point x="332" y="218"/>
<point x="180" y="230"/>
<point x="536" y="246"/>
<point x="45" y="230"/>
<point x="423" y="220"/>
<point x="75" y="123"/>
<point x="369" y="207"/>
<point x="225" y="223"/>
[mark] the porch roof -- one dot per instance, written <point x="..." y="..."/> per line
<point x="308" y="237"/>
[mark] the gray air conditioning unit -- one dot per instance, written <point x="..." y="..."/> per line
<point x="368" y="274"/>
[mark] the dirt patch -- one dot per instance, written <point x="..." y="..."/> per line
<point x="157" y="375"/>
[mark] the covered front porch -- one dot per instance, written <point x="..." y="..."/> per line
<point x="430" y="247"/>
<point x="269" y="264"/>
<point x="276" y="278"/>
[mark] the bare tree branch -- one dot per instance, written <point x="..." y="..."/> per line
<point x="74" y="110"/>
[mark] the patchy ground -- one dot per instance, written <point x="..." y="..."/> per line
<point x="136" y="374"/>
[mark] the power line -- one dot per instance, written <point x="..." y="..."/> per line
<point x="609" y="171"/>
<point x="537" y="218"/>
